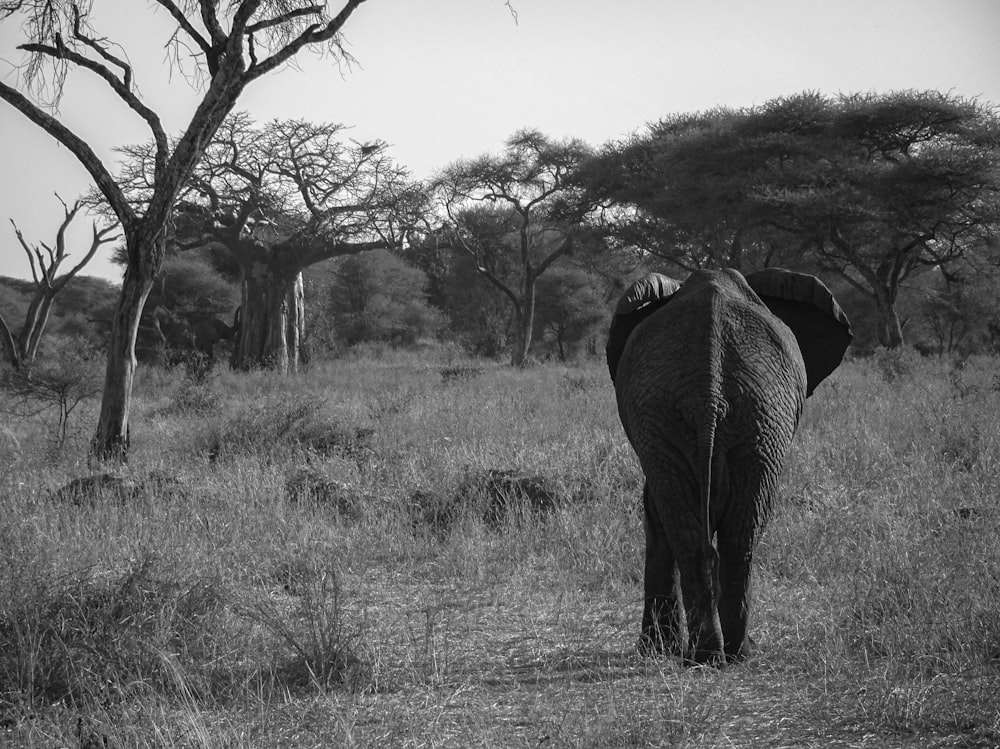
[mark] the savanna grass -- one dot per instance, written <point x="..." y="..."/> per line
<point x="290" y="587"/>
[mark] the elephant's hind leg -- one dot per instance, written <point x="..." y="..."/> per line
<point x="735" y="565"/>
<point x="693" y="560"/>
<point x="662" y="610"/>
<point x="699" y="570"/>
<point x="745" y="516"/>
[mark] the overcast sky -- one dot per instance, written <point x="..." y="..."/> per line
<point x="444" y="79"/>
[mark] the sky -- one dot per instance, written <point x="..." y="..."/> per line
<point x="446" y="79"/>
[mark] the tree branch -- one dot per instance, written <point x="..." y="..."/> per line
<point x="83" y="152"/>
<point x="312" y="35"/>
<point x="564" y="249"/>
<point x="28" y="250"/>
<point x="310" y="10"/>
<point x="99" y="237"/>
<point x="121" y="88"/>
<point x="107" y="56"/>
<point x="182" y="21"/>
<point x="211" y="21"/>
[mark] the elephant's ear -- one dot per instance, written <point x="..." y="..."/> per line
<point x="643" y="298"/>
<point x="807" y="306"/>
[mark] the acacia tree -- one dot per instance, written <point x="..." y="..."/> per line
<point x="279" y="198"/>
<point x="520" y="209"/>
<point x="571" y="307"/>
<point x="958" y="314"/>
<point x="234" y="43"/>
<point x="683" y="192"/>
<point x="478" y="313"/>
<point x="20" y="350"/>
<point x="889" y="185"/>
<point x="873" y="188"/>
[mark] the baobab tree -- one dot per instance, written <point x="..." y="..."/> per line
<point x="20" y="349"/>
<point x="232" y="44"/>
<point x="279" y="198"/>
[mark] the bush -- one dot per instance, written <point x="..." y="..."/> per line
<point x="68" y="372"/>
<point x="377" y="296"/>
<point x="896" y="364"/>
<point x="496" y="497"/>
<point x="315" y="631"/>
<point x="272" y="429"/>
<point x="310" y="483"/>
<point x="84" y="636"/>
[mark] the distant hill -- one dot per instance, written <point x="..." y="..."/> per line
<point x="85" y="298"/>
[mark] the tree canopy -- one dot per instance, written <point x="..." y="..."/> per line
<point x="870" y="187"/>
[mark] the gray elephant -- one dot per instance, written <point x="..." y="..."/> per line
<point x="169" y="337"/>
<point x="711" y="376"/>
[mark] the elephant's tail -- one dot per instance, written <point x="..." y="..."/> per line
<point x="714" y="409"/>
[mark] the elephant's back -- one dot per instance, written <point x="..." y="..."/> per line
<point x="713" y="346"/>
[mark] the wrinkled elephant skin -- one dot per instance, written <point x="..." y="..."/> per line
<point x="710" y="385"/>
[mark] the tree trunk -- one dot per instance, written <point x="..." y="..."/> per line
<point x="271" y="322"/>
<point x="890" y="332"/>
<point x="22" y="350"/>
<point x="145" y="257"/>
<point x="34" y="325"/>
<point x="296" y="303"/>
<point x="8" y="345"/>
<point x="525" y="322"/>
<point x="736" y="251"/>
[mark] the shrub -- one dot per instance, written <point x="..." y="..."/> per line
<point x="52" y="387"/>
<point x="311" y="484"/>
<point x="315" y="630"/>
<point x="272" y="429"/>
<point x="85" y="636"/>
<point x="896" y="364"/>
<point x="494" y="496"/>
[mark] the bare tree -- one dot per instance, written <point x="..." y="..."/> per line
<point x="516" y="212"/>
<point x="234" y="43"/>
<point x="20" y="350"/>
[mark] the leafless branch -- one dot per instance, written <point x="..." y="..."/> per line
<point x="83" y="152"/>
<point x="312" y="10"/>
<point x="122" y="87"/>
<point x="184" y="24"/>
<point x="313" y="34"/>
<point x="100" y="50"/>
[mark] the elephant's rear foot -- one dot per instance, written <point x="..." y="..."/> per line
<point x="708" y="656"/>
<point x="706" y="644"/>
<point x="701" y="586"/>
<point x="662" y="629"/>
<point x="736" y="652"/>
<point x="656" y="642"/>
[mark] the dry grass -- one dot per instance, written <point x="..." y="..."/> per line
<point x="273" y="576"/>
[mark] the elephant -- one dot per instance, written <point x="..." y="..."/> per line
<point x="204" y="333"/>
<point x="177" y="337"/>
<point x="710" y="378"/>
